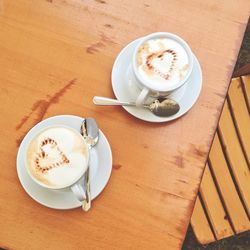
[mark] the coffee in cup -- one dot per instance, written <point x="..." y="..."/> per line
<point x="162" y="63"/>
<point x="57" y="157"/>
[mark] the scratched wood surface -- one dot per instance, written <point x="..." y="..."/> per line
<point x="54" y="57"/>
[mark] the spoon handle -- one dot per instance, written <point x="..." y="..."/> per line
<point x="86" y="203"/>
<point x="99" y="100"/>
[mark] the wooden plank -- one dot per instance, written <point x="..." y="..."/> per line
<point x="246" y="87"/>
<point x="235" y="155"/>
<point x="227" y="188"/>
<point x="240" y="114"/>
<point x="214" y="207"/>
<point x="200" y="224"/>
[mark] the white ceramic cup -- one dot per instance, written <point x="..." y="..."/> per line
<point x="76" y="186"/>
<point x="146" y="88"/>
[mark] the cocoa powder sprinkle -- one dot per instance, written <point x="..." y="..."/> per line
<point x="53" y="144"/>
<point x="160" y="55"/>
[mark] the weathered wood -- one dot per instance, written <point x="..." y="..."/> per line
<point x="246" y="88"/>
<point x="241" y="116"/>
<point x="227" y="188"/>
<point x="235" y="155"/>
<point x="234" y="131"/>
<point x="214" y="207"/>
<point x="200" y="224"/>
<point x="55" y="55"/>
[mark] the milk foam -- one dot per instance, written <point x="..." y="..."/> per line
<point x="57" y="157"/>
<point x="162" y="61"/>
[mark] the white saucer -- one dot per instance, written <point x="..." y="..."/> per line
<point x="100" y="167"/>
<point x="125" y="90"/>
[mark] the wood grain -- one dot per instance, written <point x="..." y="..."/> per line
<point x="214" y="207"/>
<point x="235" y="154"/>
<point x="241" y="116"/>
<point x="203" y="230"/>
<point x="246" y="88"/>
<point x="220" y="190"/>
<point x="54" y="57"/>
<point x="226" y="186"/>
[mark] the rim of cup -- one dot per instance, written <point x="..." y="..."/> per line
<point x="166" y="87"/>
<point x="26" y="162"/>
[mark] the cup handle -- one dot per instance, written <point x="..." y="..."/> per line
<point x="78" y="191"/>
<point x="142" y="97"/>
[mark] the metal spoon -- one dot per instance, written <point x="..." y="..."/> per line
<point x="163" y="107"/>
<point x="90" y="132"/>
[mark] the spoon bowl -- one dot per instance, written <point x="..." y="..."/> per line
<point x="163" y="108"/>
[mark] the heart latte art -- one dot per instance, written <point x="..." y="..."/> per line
<point x="50" y="156"/>
<point x="57" y="157"/>
<point x="162" y="61"/>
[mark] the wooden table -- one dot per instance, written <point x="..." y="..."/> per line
<point x="55" y="55"/>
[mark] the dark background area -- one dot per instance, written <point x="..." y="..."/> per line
<point x="244" y="54"/>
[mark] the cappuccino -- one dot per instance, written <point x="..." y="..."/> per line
<point x="57" y="157"/>
<point x="162" y="61"/>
